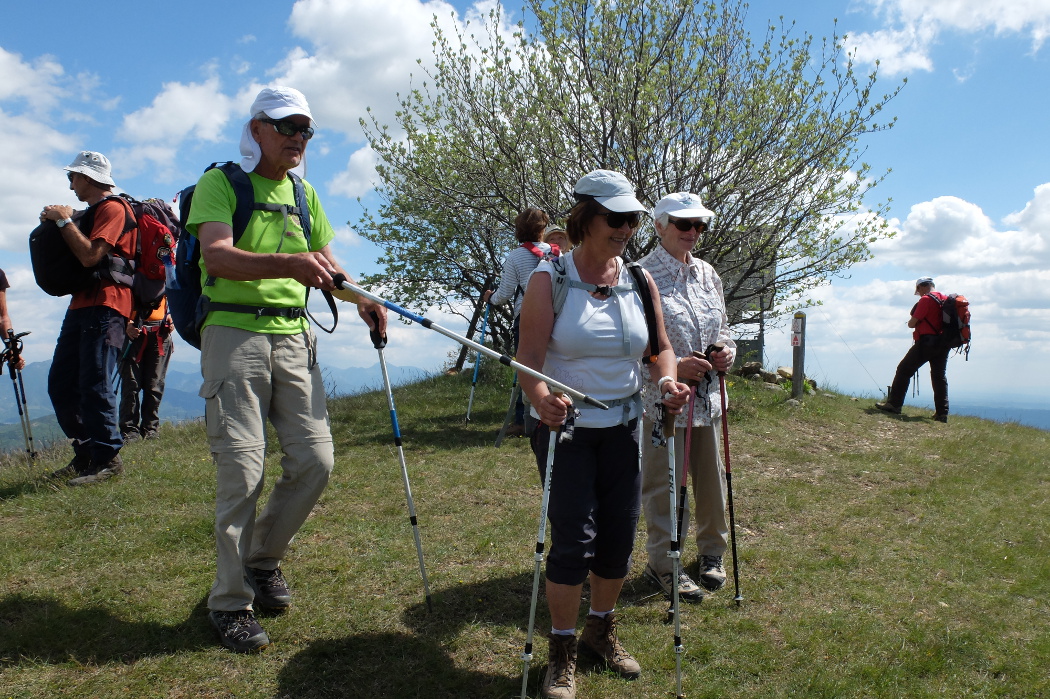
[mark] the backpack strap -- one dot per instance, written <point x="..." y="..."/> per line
<point x="244" y="193"/>
<point x="561" y="284"/>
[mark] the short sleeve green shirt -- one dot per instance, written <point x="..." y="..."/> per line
<point x="267" y="232"/>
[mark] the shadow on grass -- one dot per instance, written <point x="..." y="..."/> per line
<point x="899" y="417"/>
<point x="384" y="665"/>
<point x="43" y="629"/>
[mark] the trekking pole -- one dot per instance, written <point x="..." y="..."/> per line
<point x="515" y="391"/>
<point x="11" y="355"/>
<point x="477" y="360"/>
<point x="692" y="384"/>
<point x="341" y="283"/>
<point x="729" y="475"/>
<point x="379" y="341"/>
<point x="675" y="552"/>
<point x="541" y="538"/>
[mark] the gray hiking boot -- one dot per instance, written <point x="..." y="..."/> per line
<point x="688" y="591"/>
<point x="239" y="630"/>
<point x="888" y="407"/>
<point x="559" y="682"/>
<point x="79" y="466"/>
<point x="99" y="473"/>
<point x="712" y="573"/>
<point x="600" y="641"/>
<point x="270" y="588"/>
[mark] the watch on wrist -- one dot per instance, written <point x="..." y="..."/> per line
<point x="62" y="222"/>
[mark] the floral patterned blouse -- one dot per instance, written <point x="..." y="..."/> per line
<point x="695" y="318"/>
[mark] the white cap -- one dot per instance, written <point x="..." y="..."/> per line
<point x="683" y="205"/>
<point x="93" y="165"/>
<point x="277" y="103"/>
<point x="610" y="189"/>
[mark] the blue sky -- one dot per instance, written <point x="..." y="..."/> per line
<point x="164" y="94"/>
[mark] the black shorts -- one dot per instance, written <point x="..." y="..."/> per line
<point x="595" y="501"/>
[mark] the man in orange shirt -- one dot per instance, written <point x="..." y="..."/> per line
<point x="80" y="381"/>
<point x="926" y="324"/>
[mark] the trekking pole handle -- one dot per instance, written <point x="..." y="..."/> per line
<point x="378" y="341"/>
<point x="715" y="347"/>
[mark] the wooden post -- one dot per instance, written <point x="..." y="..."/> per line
<point x="798" y="363"/>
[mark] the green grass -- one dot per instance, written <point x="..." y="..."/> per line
<point x="881" y="556"/>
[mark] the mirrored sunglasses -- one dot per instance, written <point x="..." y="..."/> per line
<point x="289" y="128"/>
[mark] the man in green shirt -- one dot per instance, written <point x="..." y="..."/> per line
<point x="263" y="366"/>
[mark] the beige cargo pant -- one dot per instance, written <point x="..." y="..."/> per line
<point x="250" y="378"/>
<point x="706" y="480"/>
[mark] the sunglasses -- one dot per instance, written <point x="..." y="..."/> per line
<point x="615" y="219"/>
<point x="70" y="176"/>
<point x="684" y="224"/>
<point x="289" y="128"/>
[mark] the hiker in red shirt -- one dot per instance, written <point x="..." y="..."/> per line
<point x="926" y="325"/>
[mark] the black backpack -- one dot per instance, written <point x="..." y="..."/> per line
<point x="56" y="269"/>
<point x="187" y="304"/>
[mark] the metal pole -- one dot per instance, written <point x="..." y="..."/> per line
<point x="798" y="363"/>
<point x="379" y="341"/>
<point x="555" y="386"/>
<point x="477" y="360"/>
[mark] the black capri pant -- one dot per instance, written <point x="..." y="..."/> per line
<point x="595" y="501"/>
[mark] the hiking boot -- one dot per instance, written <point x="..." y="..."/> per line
<point x="888" y="407"/>
<point x="688" y="590"/>
<point x="152" y="434"/>
<point x="79" y="466"/>
<point x="516" y="430"/>
<point x="270" y="588"/>
<point x="599" y="640"/>
<point x="239" y="630"/>
<point x="712" y="573"/>
<point x="130" y="437"/>
<point x="559" y="682"/>
<point x="102" y="472"/>
<point x="941" y="417"/>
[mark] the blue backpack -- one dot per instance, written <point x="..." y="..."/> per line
<point x="188" y="305"/>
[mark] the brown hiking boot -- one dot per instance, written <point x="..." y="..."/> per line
<point x="99" y="472"/>
<point x="599" y="639"/>
<point x="559" y="682"/>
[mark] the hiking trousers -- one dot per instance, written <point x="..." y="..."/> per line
<point x="923" y="351"/>
<point x="250" y="378"/>
<point x="707" y="480"/>
<point x="143" y="372"/>
<point x="80" y="381"/>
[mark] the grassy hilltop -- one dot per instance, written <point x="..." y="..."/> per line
<point x="880" y="557"/>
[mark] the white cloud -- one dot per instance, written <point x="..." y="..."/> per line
<point x="180" y="112"/>
<point x="915" y="26"/>
<point x="38" y="84"/>
<point x="358" y="177"/>
<point x="949" y="235"/>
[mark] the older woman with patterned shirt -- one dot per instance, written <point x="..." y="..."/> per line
<point x="694" y="314"/>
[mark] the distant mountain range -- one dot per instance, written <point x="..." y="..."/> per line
<point x="180" y="402"/>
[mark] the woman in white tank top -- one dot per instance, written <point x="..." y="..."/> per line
<point x="595" y="344"/>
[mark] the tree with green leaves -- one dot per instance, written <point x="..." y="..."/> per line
<point x="674" y="94"/>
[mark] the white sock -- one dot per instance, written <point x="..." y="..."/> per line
<point x="563" y="632"/>
<point x="601" y="614"/>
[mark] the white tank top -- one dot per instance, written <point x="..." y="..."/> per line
<point x="586" y="349"/>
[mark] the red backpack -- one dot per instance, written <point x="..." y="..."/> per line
<point x="955" y="322"/>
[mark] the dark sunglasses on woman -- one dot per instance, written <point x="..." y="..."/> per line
<point x="684" y="224"/>
<point x="615" y="219"/>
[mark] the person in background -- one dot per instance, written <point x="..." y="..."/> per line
<point x="259" y="362"/>
<point x="555" y="236"/>
<point x="143" y="370"/>
<point x="926" y="324"/>
<point x="695" y="318"/>
<point x="594" y="344"/>
<point x="5" y="319"/>
<point x="80" y="382"/>
<point x="517" y="267"/>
